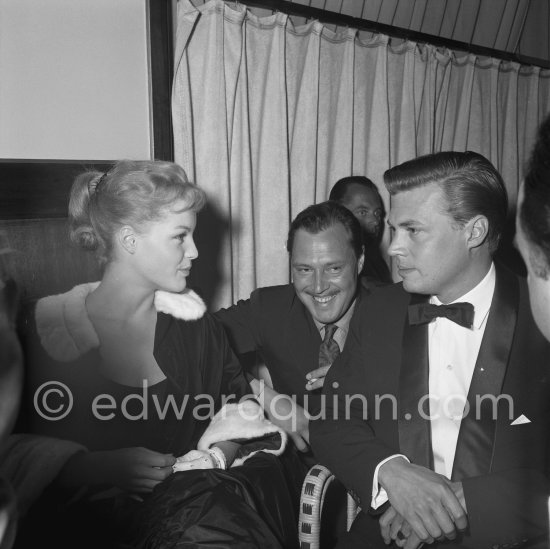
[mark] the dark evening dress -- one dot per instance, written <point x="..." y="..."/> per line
<point x="251" y="505"/>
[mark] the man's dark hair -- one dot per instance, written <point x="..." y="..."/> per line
<point x="320" y="217"/>
<point x="534" y="214"/>
<point x="341" y="187"/>
<point x="470" y="183"/>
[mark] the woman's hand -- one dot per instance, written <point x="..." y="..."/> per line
<point x="196" y="459"/>
<point x="134" y="470"/>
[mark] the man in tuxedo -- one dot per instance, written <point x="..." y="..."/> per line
<point x="443" y="415"/>
<point x="298" y="329"/>
<point x="361" y="197"/>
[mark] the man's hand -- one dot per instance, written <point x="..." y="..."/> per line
<point x="424" y="499"/>
<point x="394" y="527"/>
<point x="316" y="378"/>
<point x="458" y="489"/>
<point x="410" y="542"/>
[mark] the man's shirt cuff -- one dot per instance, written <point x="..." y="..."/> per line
<point x="379" y="495"/>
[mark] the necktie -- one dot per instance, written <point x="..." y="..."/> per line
<point x="461" y="313"/>
<point x="328" y="350"/>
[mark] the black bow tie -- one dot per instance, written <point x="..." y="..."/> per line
<point x="461" y="313"/>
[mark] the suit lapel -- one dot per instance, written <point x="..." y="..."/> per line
<point x="302" y="338"/>
<point x="474" y="448"/>
<point x="413" y="425"/>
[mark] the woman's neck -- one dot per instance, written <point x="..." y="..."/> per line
<point x="120" y="296"/>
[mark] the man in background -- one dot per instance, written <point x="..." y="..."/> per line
<point x="361" y="197"/>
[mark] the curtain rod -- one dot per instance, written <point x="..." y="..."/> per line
<point x="343" y="20"/>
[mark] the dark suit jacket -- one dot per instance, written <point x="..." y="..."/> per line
<point x="503" y="467"/>
<point x="276" y="323"/>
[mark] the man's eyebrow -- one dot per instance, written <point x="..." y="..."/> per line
<point x="405" y="223"/>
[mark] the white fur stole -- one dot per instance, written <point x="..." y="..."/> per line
<point x="66" y="332"/>
<point x="242" y="421"/>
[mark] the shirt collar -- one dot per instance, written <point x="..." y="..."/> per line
<point x="479" y="296"/>
<point x="342" y="323"/>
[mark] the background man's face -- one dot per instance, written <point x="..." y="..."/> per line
<point x="324" y="272"/>
<point x="538" y="278"/>
<point x="367" y="207"/>
<point x="430" y="250"/>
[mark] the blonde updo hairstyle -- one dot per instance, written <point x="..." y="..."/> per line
<point x="132" y="193"/>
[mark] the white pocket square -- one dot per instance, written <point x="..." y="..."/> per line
<point x="521" y="420"/>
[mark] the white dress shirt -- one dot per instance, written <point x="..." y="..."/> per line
<point x="452" y="354"/>
<point x="453" y="351"/>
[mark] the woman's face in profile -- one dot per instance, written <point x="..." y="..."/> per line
<point x="164" y="252"/>
<point x="538" y="275"/>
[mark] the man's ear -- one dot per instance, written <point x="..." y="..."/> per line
<point x="126" y="237"/>
<point x="361" y="260"/>
<point x="477" y="231"/>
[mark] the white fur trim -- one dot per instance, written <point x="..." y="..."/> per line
<point x="186" y="306"/>
<point x="66" y="332"/>
<point x="244" y="420"/>
<point x="63" y="325"/>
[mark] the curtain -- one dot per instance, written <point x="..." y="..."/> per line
<point x="268" y="116"/>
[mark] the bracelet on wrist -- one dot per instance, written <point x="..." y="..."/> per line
<point x="219" y="457"/>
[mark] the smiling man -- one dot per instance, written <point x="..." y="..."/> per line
<point x="456" y="453"/>
<point x="299" y="328"/>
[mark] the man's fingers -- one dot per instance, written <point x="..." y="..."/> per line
<point x="424" y="499"/>
<point x="315" y="383"/>
<point x="319" y="372"/>
<point x="406" y="529"/>
<point x="316" y="378"/>
<point x="299" y="442"/>
<point x="423" y="527"/>
<point x="445" y="522"/>
<point x="456" y="512"/>
<point x="385" y="524"/>
<point x="396" y="529"/>
<point x="437" y="523"/>
<point x="412" y="542"/>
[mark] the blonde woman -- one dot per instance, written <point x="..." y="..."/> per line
<point x="126" y="376"/>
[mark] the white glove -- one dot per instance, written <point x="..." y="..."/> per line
<point x="200" y="459"/>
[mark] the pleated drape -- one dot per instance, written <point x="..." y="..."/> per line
<point x="267" y="117"/>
